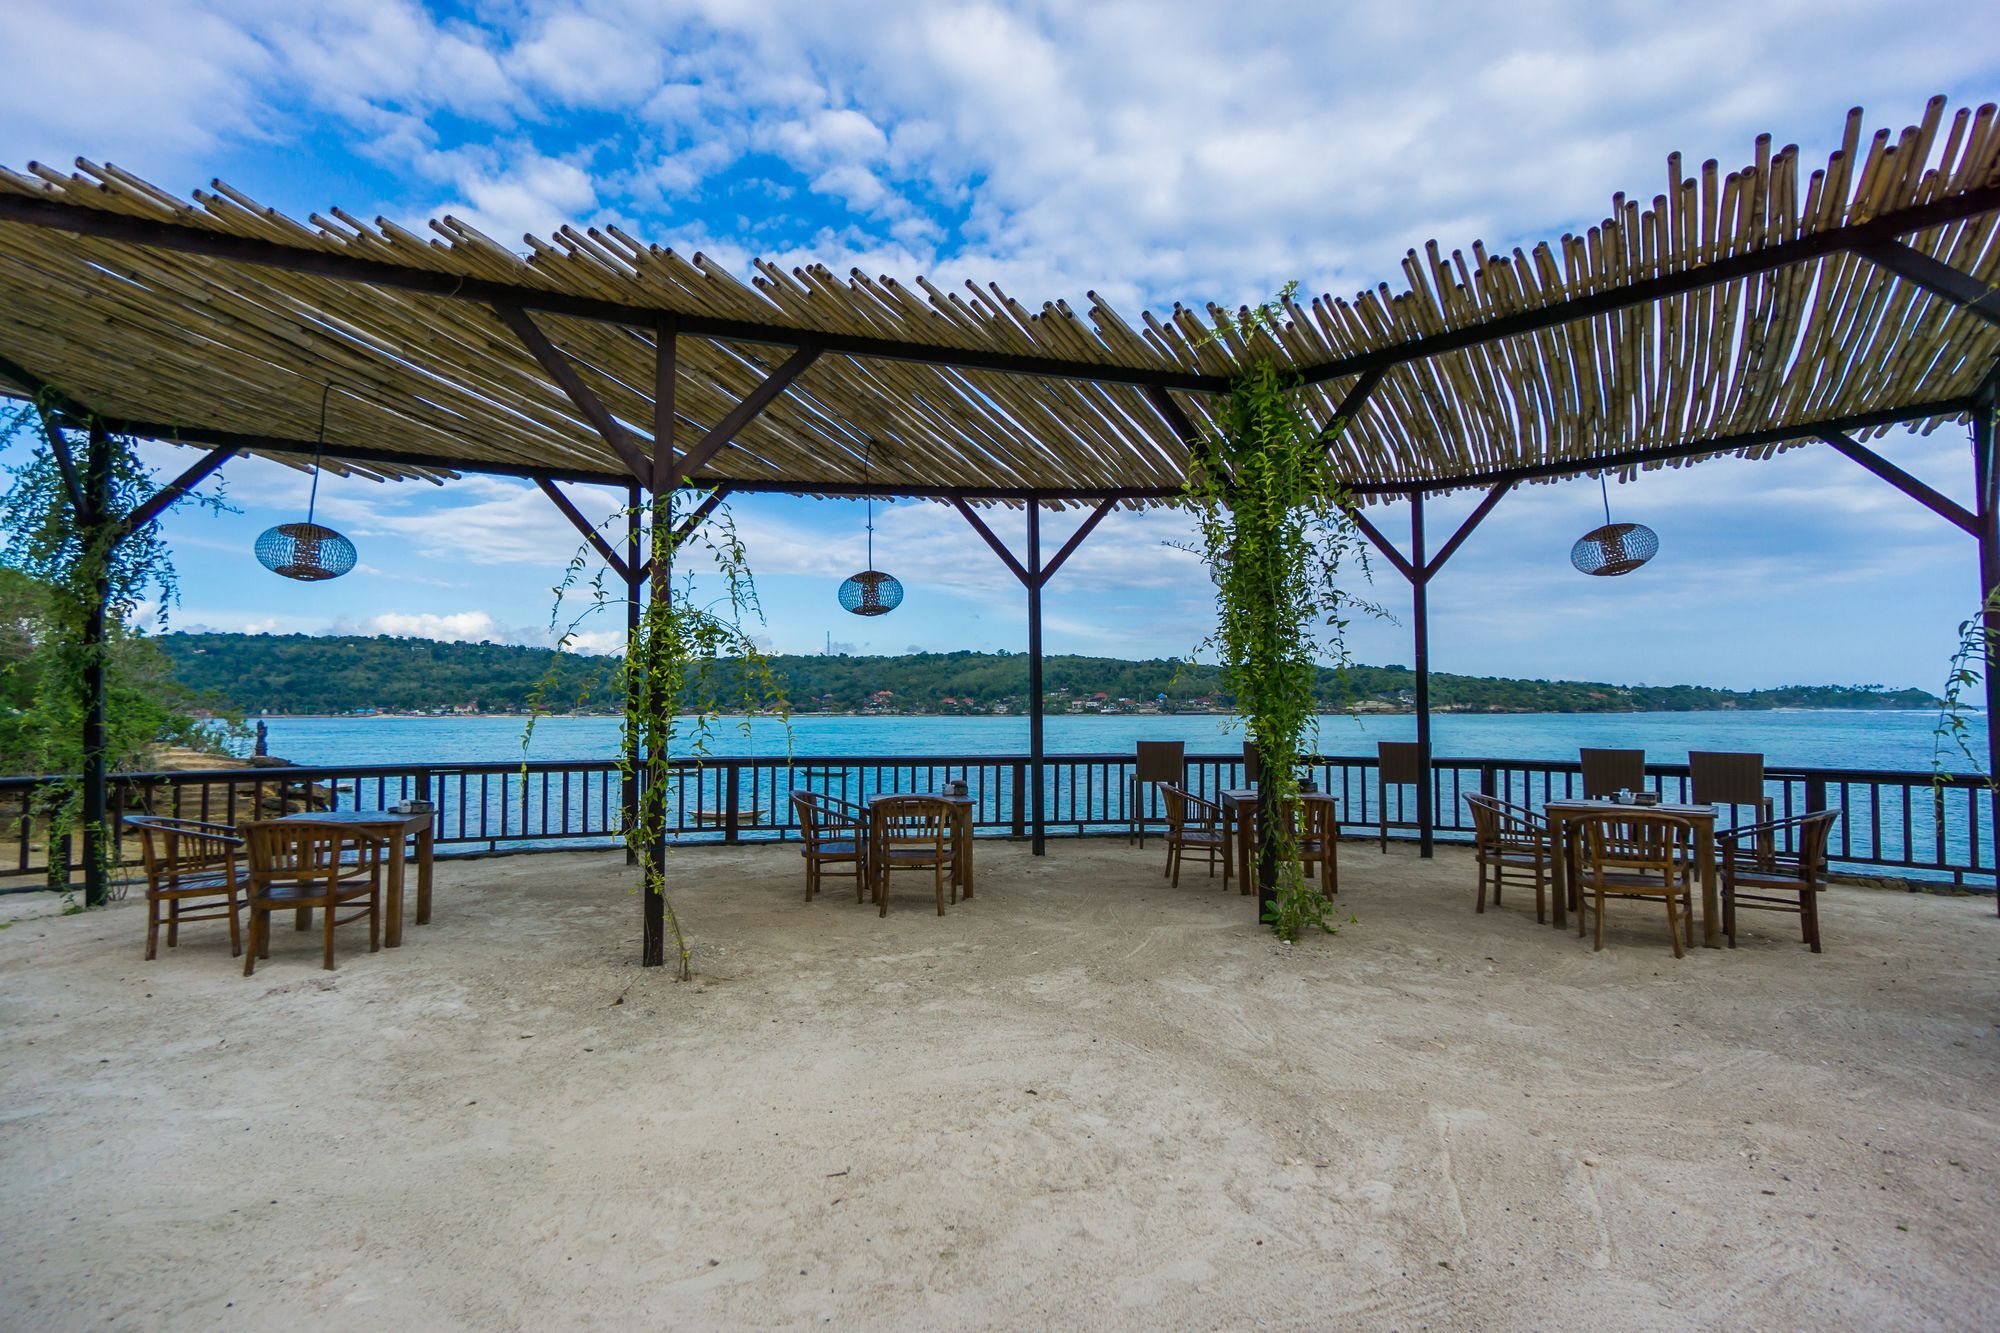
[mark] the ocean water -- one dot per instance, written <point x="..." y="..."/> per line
<point x="1893" y="741"/>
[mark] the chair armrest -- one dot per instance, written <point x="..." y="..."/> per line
<point x="1202" y="810"/>
<point x="1770" y="826"/>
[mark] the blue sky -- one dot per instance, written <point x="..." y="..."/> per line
<point x="1152" y="152"/>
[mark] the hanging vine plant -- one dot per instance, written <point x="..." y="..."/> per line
<point x="85" y="568"/>
<point x="692" y="662"/>
<point x="1275" y="530"/>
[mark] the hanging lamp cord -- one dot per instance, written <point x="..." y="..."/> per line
<point x="866" y="458"/>
<point x="1606" y="491"/>
<point x="319" y="447"/>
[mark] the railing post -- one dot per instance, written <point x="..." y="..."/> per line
<point x="1815" y="794"/>
<point x="1020" y="798"/>
<point x="732" y="830"/>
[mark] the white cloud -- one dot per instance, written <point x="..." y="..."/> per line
<point x="463" y="625"/>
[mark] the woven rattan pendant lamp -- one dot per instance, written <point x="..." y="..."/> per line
<point x="1615" y="548"/>
<point x="309" y="552"/>
<point x="871" y="592"/>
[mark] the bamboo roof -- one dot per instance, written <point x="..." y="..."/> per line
<point x="1734" y="312"/>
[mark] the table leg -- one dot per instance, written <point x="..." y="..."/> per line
<point x="962" y="851"/>
<point x="1559" y="870"/>
<point x="877" y="872"/>
<point x="392" y="933"/>
<point x="424" y="839"/>
<point x="1245" y="836"/>
<point x="1711" y="912"/>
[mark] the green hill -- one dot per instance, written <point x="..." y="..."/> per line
<point x="296" y="673"/>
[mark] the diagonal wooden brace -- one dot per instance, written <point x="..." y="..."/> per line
<point x="739" y="416"/>
<point x="563" y="372"/>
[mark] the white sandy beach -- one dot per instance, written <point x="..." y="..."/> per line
<point x="1083" y="1097"/>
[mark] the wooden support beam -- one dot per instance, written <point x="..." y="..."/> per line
<point x="1177" y="420"/>
<point x="1580" y="465"/>
<point x="1083" y="530"/>
<point x="999" y="547"/>
<point x="1384" y="545"/>
<point x="1936" y="277"/>
<point x="741" y="415"/>
<point x="170" y="494"/>
<point x="563" y="372"/>
<point x="666" y="382"/>
<point x="584" y="526"/>
<point x="1420" y="623"/>
<point x="1472" y="521"/>
<point x="1934" y="500"/>
<point x="65" y="464"/>
<point x="690" y="524"/>
<point x="1351" y="403"/>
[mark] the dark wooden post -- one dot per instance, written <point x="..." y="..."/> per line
<point x="1420" y="615"/>
<point x="99" y="542"/>
<point x="635" y="588"/>
<point x="1039" y="845"/>
<point x="653" y="936"/>
<point x="1986" y="486"/>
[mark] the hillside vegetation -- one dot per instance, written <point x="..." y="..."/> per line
<point x="295" y="673"/>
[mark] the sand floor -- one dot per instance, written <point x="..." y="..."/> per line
<point x="1084" y="1097"/>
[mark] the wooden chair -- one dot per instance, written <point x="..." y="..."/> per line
<point x="300" y="866"/>
<point x="836" y="834"/>
<point x="912" y="833"/>
<point x="1765" y="879"/>
<point x="1734" y="779"/>
<point x="1510" y="842"/>
<point x="1193" y="823"/>
<point x="1398" y="764"/>
<point x="1156" y="762"/>
<point x="1608" y="772"/>
<point x="189" y="865"/>
<point x="1640" y="855"/>
<point x="1318" y="825"/>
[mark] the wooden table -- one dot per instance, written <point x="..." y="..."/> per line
<point x="1239" y="806"/>
<point x="398" y="829"/>
<point x="1566" y="820"/>
<point x="961" y="835"/>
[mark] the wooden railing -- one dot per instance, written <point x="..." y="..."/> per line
<point x="1899" y="823"/>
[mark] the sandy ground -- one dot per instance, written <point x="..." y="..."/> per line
<point x="1082" y="1097"/>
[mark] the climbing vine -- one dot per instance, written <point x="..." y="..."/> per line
<point x="75" y="566"/>
<point x="1275" y="530"/>
<point x="692" y="662"/>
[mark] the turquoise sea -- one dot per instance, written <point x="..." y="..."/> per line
<point x="1896" y="741"/>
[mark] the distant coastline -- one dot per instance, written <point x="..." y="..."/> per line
<point x="354" y="676"/>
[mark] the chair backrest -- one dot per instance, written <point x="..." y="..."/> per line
<point x="175" y="849"/>
<point x="1317" y="820"/>
<point x="1253" y="763"/>
<point x="1161" y="761"/>
<point x="1173" y="802"/>
<point x="1399" y="763"/>
<point x="1606" y="772"/>
<point x="1720" y="777"/>
<point x="1813" y="832"/>
<point x="303" y="852"/>
<point x="814" y="816"/>
<point x="1485" y="820"/>
<point x="911" y="820"/>
<point x="1644" y="840"/>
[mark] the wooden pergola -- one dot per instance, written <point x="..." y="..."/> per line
<point x="1735" y="313"/>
